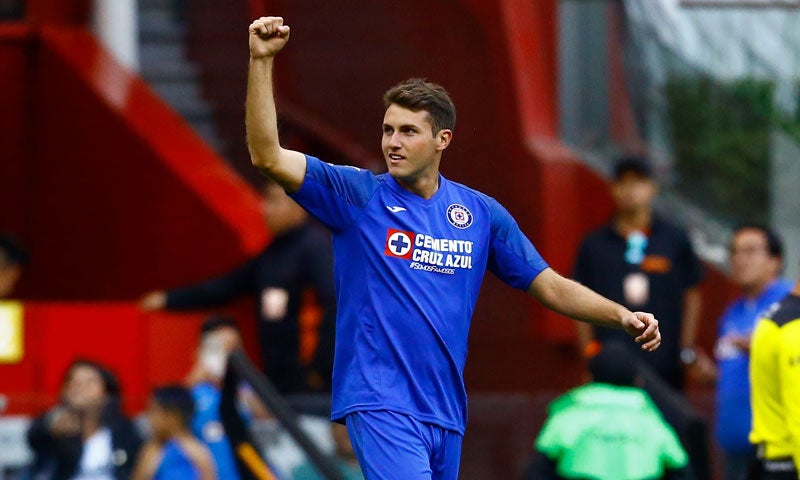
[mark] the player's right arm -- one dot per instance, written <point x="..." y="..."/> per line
<point x="268" y="35"/>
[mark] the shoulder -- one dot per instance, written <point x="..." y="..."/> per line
<point x="481" y="205"/>
<point x="666" y="228"/>
<point x="733" y="310"/>
<point x="316" y="168"/>
<point x="353" y="185"/>
<point x="785" y="311"/>
<point x="782" y="287"/>
<point x="463" y="190"/>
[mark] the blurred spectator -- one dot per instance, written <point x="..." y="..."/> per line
<point x="298" y="259"/>
<point x="12" y="259"/>
<point x="173" y="452"/>
<point x="85" y="436"/>
<point x="345" y="459"/>
<point x="644" y="263"/>
<point x="219" y="337"/>
<point x="756" y="263"/>
<point x="775" y="389"/>
<point x="608" y="429"/>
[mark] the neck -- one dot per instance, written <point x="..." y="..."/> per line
<point x="796" y="289"/>
<point x="627" y="222"/>
<point x="89" y="425"/>
<point x="753" y="291"/>
<point x="425" y="187"/>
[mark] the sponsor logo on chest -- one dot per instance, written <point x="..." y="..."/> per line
<point x="438" y="254"/>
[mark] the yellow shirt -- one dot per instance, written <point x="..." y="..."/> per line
<point x="775" y="381"/>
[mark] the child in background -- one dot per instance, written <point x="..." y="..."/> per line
<point x="173" y="452"/>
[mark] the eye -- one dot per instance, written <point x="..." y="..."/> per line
<point x="387" y="130"/>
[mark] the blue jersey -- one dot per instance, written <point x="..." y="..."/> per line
<point x="407" y="274"/>
<point x="733" y="382"/>
<point x="175" y="464"/>
<point x="207" y="426"/>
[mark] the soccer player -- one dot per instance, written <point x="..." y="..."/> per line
<point x="411" y="248"/>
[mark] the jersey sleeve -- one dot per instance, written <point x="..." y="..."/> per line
<point x="335" y="194"/>
<point x="673" y="455"/>
<point x="551" y="440"/>
<point x="789" y="368"/>
<point x="512" y="257"/>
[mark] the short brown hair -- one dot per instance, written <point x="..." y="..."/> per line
<point x="418" y="94"/>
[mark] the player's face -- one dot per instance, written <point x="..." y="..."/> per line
<point x="159" y="421"/>
<point x="633" y="192"/>
<point x="85" y="388"/>
<point x="752" y="267"/>
<point x="411" y="150"/>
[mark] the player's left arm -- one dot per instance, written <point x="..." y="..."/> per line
<point x="573" y="300"/>
<point x="692" y="302"/>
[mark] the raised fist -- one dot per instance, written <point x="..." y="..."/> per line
<point x="268" y="35"/>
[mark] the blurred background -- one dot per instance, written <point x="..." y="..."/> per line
<point x="123" y="166"/>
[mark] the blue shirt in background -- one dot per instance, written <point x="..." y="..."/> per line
<point x="207" y="426"/>
<point x="175" y="464"/>
<point x="733" y="382"/>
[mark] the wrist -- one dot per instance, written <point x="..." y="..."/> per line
<point x="261" y="58"/>
<point x="688" y="356"/>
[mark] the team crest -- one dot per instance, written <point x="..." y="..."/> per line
<point x="459" y="216"/>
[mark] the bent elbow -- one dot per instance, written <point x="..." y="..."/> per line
<point x="263" y="158"/>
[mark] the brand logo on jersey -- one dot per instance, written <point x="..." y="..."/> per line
<point x="395" y="208"/>
<point x="431" y="254"/>
<point x="399" y="243"/>
<point x="459" y="216"/>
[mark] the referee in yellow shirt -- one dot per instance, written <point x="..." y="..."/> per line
<point x="775" y="391"/>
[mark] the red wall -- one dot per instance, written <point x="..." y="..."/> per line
<point x="112" y="192"/>
<point x="16" y="49"/>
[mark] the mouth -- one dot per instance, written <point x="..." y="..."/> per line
<point x="395" y="158"/>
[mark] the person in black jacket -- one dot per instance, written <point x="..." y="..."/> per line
<point x="86" y="435"/>
<point x="298" y="261"/>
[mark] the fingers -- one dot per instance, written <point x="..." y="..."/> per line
<point x="650" y="338"/>
<point x="269" y="27"/>
<point x="653" y="344"/>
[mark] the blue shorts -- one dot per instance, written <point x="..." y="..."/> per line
<point x="394" y="446"/>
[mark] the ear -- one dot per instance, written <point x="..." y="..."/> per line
<point x="443" y="138"/>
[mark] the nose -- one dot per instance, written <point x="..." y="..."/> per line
<point x="394" y="141"/>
